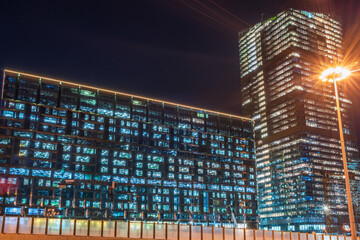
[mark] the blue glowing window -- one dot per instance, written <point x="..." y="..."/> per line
<point x="184" y="126"/>
<point x="220" y="152"/>
<point x="50" y="120"/>
<point x="125" y="131"/>
<point x="185" y="185"/>
<point x="153" y="166"/>
<point x="41" y="173"/>
<point x="90" y="151"/>
<point x="125" y="115"/>
<point x="38" y="154"/>
<point x="121" y="163"/>
<point x="137" y="181"/>
<point x="61" y="174"/>
<point x="5" y="141"/>
<point x="250" y="190"/>
<point x="184" y="169"/>
<point x="104" y="161"/>
<point x="20" y="106"/>
<point x="82" y="159"/>
<point x="105" y="112"/>
<point x="19" y="171"/>
<point x="157" y="136"/>
<point x="123" y="171"/>
<point x="12" y="210"/>
<point x="104" y="153"/>
<point x="11" y="80"/>
<point x="66" y="157"/>
<point x="8" y="114"/>
<point x="226" y="188"/>
<point x="244" y="155"/>
<point x="89" y="126"/>
<point x="188" y="177"/>
<point x="79" y="176"/>
<point x="158" y="159"/>
<point x="125" y="155"/>
<point x="45" y="137"/>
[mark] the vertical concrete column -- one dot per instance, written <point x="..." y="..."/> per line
<point x="17" y="225"/>
<point x="60" y="231"/>
<point x="46" y="225"/>
<point x="102" y="228"/>
<point x="74" y="227"/>
<point x="32" y="225"/>
<point x="88" y="230"/>
<point x="190" y="231"/>
<point x="128" y="231"/>
<point x="212" y="232"/>
<point x="154" y="229"/>
<point x="178" y="232"/>
<point x="3" y="224"/>
<point x="202" y="232"/>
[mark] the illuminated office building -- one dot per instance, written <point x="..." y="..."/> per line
<point x="354" y="167"/>
<point x="80" y="151"/>
<point x="299" y="165"/>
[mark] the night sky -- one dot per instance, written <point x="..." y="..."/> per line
<point x="182" y="51"/>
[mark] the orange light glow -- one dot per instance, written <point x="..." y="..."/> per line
<point x="337" y="74"/>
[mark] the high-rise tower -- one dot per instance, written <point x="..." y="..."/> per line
<point x="299" y="164"/>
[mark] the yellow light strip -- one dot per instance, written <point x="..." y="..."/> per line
<point x="129" y="95"/>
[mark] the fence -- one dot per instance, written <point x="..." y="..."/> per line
<point x="144" y="230"/>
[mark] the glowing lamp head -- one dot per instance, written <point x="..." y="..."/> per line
<point x="337" y="74"/>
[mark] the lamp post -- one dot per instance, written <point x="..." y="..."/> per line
<point x="333" y="75"/>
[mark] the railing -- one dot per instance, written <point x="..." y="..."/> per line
<point x="145" y="230"/>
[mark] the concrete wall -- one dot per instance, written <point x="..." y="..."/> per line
<point x="54" y="237"/>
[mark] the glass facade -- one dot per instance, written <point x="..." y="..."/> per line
<point x="78" y="151"/>
<point x="298" y="158"/>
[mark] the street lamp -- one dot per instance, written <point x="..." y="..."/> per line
<point x="333" y="75"/>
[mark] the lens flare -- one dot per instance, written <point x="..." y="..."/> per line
<point x="337" y="74"/>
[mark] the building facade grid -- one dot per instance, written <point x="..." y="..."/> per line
<point x="298" y="157"/>
<point x="73" y="150"/>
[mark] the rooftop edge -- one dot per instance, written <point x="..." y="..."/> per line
<point x="127" y="94"/>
